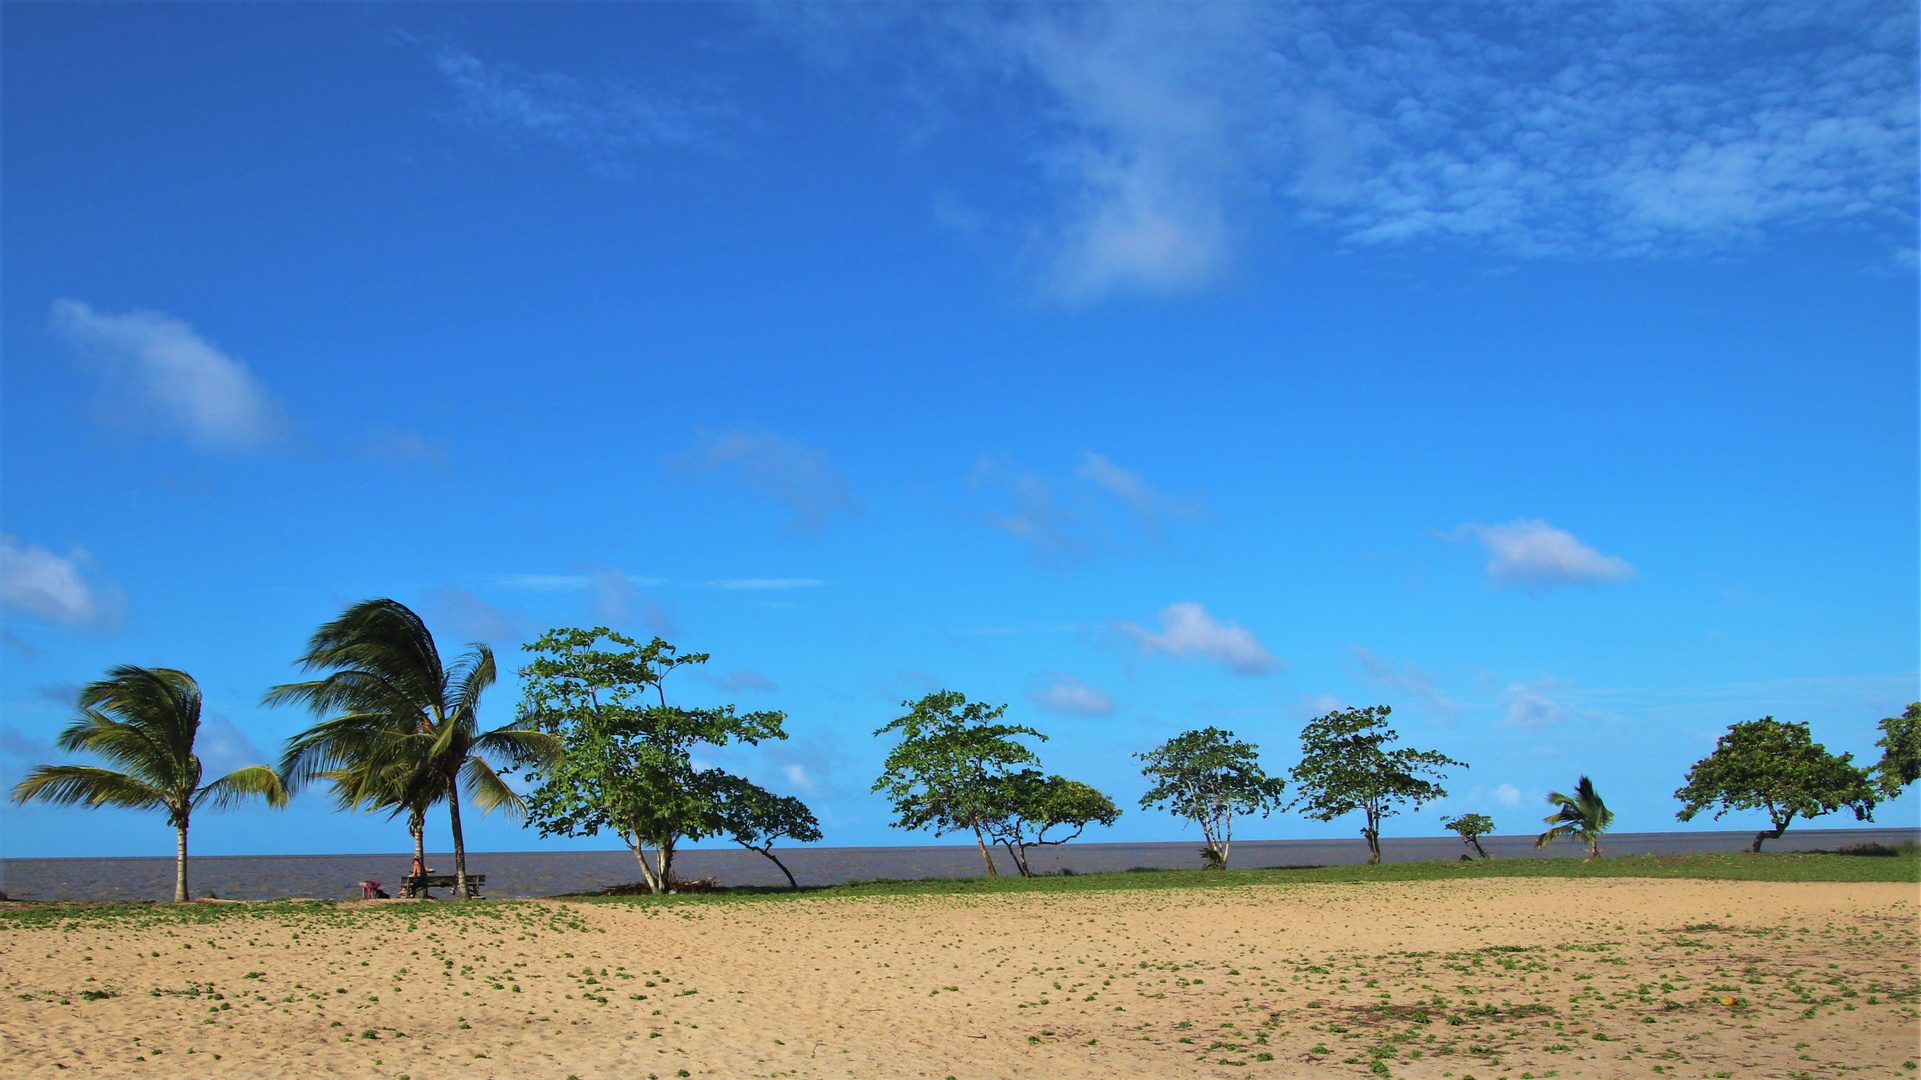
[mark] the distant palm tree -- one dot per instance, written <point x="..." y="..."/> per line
<point x="145" y="720"/>
<point x="1584" y="816"/>
<point x="404" y="733"/>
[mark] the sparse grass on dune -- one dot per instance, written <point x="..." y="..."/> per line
<point x="1905" y="866"/>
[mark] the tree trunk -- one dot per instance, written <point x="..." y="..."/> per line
<point x="769" y="852"/>
<point x="1476" y="841"/>
<point x="417" y="825"/>
<point x="1019" y="856"/>
<point x="1780" y="826"/>
<point x="1594" y="845"/>
<point x="1372" y="830"/>
<point x="986" y="855"/>
<point x="460" y="842"/>
<point x="646" y="872"/>
<point x="180" y="865"/>
<point x="664" y="855"/>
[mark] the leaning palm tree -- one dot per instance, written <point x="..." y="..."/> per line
<point x="400" y="729"/>
<point x="145" y="720"/>
<point x="1584" y="816"/>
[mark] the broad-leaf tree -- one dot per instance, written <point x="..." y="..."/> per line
<point x="145" y="721"/>
<point x="1779" y="769"/>
<point x="1349" y="762"/>
<point x="1027" y="804"/>
<point x="754" y="817"/>
<point x="1900" y="744"/>
<point x="1209" y="777"/>
<point x="941" y="775"/>
<point x="628" y="765"/>
<point x="1581" y="815"/>
<point x="400" y="729"/>
<point x="1471" y="828"/>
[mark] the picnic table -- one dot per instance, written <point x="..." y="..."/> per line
<point x="417" y="886"/>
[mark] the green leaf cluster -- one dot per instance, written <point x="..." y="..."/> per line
<point x="1349" y="762"/>
<point x="1777" y="768"/>
<point x="1208" y="777"/>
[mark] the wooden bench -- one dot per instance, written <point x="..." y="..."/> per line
<point x="417" y="887"/>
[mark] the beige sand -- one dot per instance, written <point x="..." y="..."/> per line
<point x="1509" y="979"/>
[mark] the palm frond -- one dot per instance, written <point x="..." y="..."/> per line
<point x="64" y="785"/>
<point x="473" y="673"/>
<point x="520" y="747"/>
<point x="489" y="792"/>
<point x="254" y="781"/>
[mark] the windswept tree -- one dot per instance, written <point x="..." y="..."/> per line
<point x="754" y="817"/>
<point x="1900" y="744"/>
<point x="1349" y="762"/>
<point x="1471" y="827"/>
<point x="944" y="771"/>
<point x="1027" y="804"/>
<point x="400" y="729"/>
<point x="1779" y="769"/>
<point x="1582" y="815"/>
<point x="145" y="720"/>
<point x="1209" y="777"/>
<point x="628" y="762"/>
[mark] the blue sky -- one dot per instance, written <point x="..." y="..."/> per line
<point x="1546" y="372"/>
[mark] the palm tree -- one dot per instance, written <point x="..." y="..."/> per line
<point x="403" y="731"/>
<point x="144" y="720"/>
<point x="1584" y="817"/>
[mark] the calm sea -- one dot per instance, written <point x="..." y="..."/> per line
<point x="554" y="873"/>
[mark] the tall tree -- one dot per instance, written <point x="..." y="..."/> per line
<point x="1779" y="769"/>
<point x="1208" y="777"/>
<point x="1582" y="815"/>
<point x="400" y="727"/>
<point x="145" y="720"/>
<point x="628" y="765"/>
<point x="1349" y="762"/>
<point x="1027" y="804"/>
<point x="1900" y="744"/>
<point x="754" y="817"/>
<point x="941" y="774"/>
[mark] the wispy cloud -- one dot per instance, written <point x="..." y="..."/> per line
<point x="1064" y="695"/>
<point x="58" y="588"/>
<point x="403" y="449"/>
<point x="799" y="475"/>
<point x="157" y="369"/>
<point x="743" y="679"/>
<point x="1410" y="679"/>
<point x="1187" y="630"/>
<point x="616" y="600"/>
<point x="1534" y="704"/>
<point x="1164" y="134"/>
<point x="463" y="614"/>
<point x="1068" y="522"/>
<point x="563" y="582"/>
<point x="222" y="747"/>
<point x="767" y="583"/>
<point x="606" y="120"/>
<point x="1535" y="555"/>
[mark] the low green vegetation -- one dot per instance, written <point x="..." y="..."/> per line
<point x="1884" y="864"/>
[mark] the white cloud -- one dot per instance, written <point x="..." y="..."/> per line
<point x="460" y="613"/>
<point x="1536" y="555"/>
<point x="601" y="119"/>
<point x="222" y="747"/>
<point x="1064" y="695"/>
<point x="767" y="583"/>
<point x="157" y="368"/>
<point x="1054" y="533"/>
<point x="1507" y="795"/>
<point x="789" y="470"/>
<point x="56" y="587"/>
<point x="616" y="600"/>
<point x="1533" y="705"/>
<point x="1410" y="679"/>
<point x="1128" y="486"/>
<point x="1188" y="630"/>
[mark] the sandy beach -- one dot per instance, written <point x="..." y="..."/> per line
<point x="1514" y="978"/>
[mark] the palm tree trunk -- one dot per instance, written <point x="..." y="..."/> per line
<point x="180" y="864"/>
<point x="460" y="842"/>
<point x="417" y="826"/>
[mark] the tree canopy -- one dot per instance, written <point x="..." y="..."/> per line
<point x="1349" y="762"/>
<point x="1025" y="805"/>
<point x="628" y="765"/>
<point x="943" y="772"/>
<point x="1471" y="828"/>
<point x="1900" y="744"/>
<point x="1581" y="815"/>
<point x="754" y="817"/>
<point x="1779" y="769"/>
<point x="146" y="721"/>
<point x="1208" y="777"/>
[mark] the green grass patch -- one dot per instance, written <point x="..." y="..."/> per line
<point x="1904" y="866"/>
